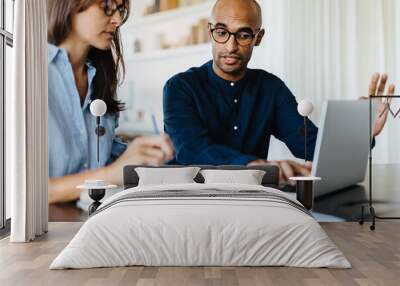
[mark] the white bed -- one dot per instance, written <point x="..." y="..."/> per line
<point x="201" y="225"/>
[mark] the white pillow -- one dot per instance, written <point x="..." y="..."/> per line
<point x="248" y="177"/>
<point x="166" y="176"/>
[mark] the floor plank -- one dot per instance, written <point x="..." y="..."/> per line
<point x="375" y="257"/>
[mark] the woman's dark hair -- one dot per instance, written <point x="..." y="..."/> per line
<point x="109" y="64"/>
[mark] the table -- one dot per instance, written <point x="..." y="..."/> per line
<point x="346" y="203"/>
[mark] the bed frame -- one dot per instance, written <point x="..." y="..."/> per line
<point x="131" y="178"/>
<point x="271" y="177"/>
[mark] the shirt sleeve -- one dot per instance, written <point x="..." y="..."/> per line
<point x="289" y="125"/>
<point x="191" y="138"/>
<point x="118" y="147"/>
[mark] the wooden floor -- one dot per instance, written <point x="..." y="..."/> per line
<point x="375" y="257"/>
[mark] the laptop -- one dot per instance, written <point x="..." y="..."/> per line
<point x="342" y="147"/>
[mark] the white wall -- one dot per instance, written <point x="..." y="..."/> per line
<point x="147" y="72"/>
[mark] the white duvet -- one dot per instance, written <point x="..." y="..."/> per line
<point x="201" y="231"/>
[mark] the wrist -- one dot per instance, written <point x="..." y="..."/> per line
<point x="107" y="173"/>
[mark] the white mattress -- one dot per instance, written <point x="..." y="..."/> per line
<point x="201" y="231"/>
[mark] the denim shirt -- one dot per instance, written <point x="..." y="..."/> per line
<point x="72" y="138"/>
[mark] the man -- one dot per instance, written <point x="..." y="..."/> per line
<point x="225" y="113"/>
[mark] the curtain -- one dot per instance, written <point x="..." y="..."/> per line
<point x="329" y="49"/>
<point x="26" y="117"/>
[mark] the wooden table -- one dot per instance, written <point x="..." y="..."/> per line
<point x="346" y="203"/>
<point x="375" y="257"/>
<point x="66" y="213"/>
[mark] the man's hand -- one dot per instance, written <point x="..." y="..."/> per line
<point x="287" y="169"/>
<point x="377" y="87"/>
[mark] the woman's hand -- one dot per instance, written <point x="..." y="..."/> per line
<point x="146" y="150"/>
<point x="149" y="150"/>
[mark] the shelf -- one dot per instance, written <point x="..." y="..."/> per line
<point x="170" y="53"/>
<point x="133" y="129"/>
<point x="169" y="15"/>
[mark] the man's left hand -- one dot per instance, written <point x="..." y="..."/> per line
<point x="377" y="87"/>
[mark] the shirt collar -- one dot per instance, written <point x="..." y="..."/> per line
<point x="216" y="79"/>
<point x="56" y="53"/>
<point x="91" y="72"/>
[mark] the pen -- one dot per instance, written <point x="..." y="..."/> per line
<point x="155" y="126"/>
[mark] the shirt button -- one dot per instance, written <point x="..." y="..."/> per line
<point x="82" y="131"/>
<point x="235" y="101"/>
<point x="232" y="84"/>
<point x="235" y="128"/>
<point x="86" y="165"/>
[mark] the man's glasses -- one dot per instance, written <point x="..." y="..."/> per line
<point x="222" y="35"/>
<point x="110" y="8"/>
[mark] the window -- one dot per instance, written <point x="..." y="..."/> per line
<point x="6" y="44"/>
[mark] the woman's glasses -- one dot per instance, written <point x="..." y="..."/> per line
<point x="111" y="7"/>
<point x="222" y="35"/>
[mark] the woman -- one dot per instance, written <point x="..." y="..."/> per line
<point x="85" y="63"/>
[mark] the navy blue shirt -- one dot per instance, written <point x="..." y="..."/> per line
<point x="214" y="121"/>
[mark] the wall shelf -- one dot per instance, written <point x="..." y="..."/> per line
<point x="132" y="131"/>
<point x="161" y="17"/>
<point x="170" y="53"/>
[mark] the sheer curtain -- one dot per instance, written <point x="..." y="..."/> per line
<point x="26" y="117"/>
<point x="329" y="49"/>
